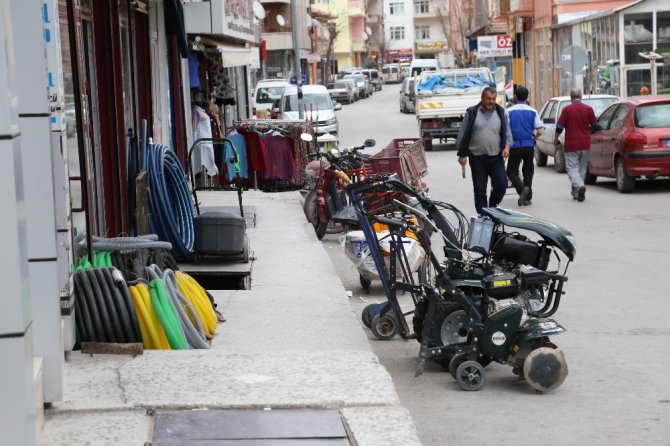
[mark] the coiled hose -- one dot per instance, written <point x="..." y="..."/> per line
<point x="104" y="311"/>
<point x="171" y="209"/>
<point x="200" y="300"/>
<point x="188" y="318"/>
<point x="153" y="335"/>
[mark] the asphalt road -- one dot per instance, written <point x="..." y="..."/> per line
<point x="615" y="310"/>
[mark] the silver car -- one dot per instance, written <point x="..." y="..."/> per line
<point x="549" y="114"/>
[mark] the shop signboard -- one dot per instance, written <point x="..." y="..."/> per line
<point x="494" y="46"/>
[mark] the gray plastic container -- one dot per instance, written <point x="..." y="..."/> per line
<point x="220" y="234"/>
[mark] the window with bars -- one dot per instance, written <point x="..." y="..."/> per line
<point x="396" y="8"/>
<point x="422" y="32"/>
<point x="397" y="32"/>
<point x="421" y="7"/>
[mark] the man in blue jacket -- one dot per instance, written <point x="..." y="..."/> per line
<point x="484" y="140"/>
<point x="526" y="127"/>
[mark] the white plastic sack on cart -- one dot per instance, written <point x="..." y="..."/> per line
<point x="356" y="249"/>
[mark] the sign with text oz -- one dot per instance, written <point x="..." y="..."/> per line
<point x="494" y="46"/>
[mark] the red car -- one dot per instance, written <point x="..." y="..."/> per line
<point x="633" y="140"/>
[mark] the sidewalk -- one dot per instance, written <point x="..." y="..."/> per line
<point x="291" y="341"/>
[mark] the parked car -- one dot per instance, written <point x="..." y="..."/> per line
<point x="408" y="95"/>
<point x="352" y="84"/>
<point x="375" y="78"/>
<point x="265" y="93"/>
<point x="320" y="107"/>
<point x="632" y="141"/>
<point x="549" y="114"/>
<point x="360" y="84"/>
<point x="369" y="86"/>
<point x="341" y="91"/>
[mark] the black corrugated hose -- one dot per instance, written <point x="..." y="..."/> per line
<point x="104" y="311"/>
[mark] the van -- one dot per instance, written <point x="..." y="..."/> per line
<point x="266" y="92"/>
<point x="375" y="79"/>
<point x="419" y="65"/>
<point x="408" y="96"/>
<point x="318" y="105"/>
<point x="391" y="73"/>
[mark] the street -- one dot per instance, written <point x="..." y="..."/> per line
<point x="615" y="310"/>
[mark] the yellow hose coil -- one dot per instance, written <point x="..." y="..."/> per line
<point x="197" y="296"/>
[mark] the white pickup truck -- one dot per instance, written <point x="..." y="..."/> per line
<point x="441" y="102"/>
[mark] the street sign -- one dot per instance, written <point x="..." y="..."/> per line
<point x="303" y="79"/>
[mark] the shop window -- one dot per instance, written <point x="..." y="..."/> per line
<point x="663" y="79"/>
<point x="635" y="80"/>
<point x="663" y="33"/>
<point x="638" y="36"/>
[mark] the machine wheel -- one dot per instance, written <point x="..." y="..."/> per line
<point x="368" y="313"/>
<point x="559" y="160"/>
<point x="540" y="158"/>
<point x="589" y="178"/>
<point x="456" y="361"/>
<point x="384" y="327"/>
<point x="624" y="182"/>
<point x="545" y="368"/>
<point x="470" y="375"/>
<point x="454" y="329"/>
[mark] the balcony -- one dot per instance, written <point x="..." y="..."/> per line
<point x="355" y="8"/>
<point x="278" y="40"/>
<point x="358" y="46"/>
<point x="374" y="19"/>
<point x="521" y="7"/>
<point x="430" y="45"/>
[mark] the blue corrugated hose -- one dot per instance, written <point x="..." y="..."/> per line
<point x="171" y="210"/>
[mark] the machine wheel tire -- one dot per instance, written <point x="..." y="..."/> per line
<point x="559" y="160"/>
<point x="624" y="182"/>
<point x="453" y="330"/>
<point x="456" y="360"/>
<point x="589" y="178"/>
<point x="540" y="158"/>
<point x="384" y="327"/>
<point x="368" y="313"/>
<point x="470" y="375"/>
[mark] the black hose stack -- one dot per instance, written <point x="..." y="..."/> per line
<point x="104" y="310"/>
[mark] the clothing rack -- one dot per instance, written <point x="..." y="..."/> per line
<point x="287" y="127"/>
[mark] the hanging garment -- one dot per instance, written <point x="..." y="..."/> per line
<point x="241" y="148"/>
<point x="203" y="154"/>
<point x="193" y="73"/>
<point x="280" y="153"/>
<point x="255" y="150"/>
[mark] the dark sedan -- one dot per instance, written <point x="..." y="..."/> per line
<point x="632" y="141"/>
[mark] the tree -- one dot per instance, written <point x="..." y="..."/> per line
<point x="456" y="20"/>
<point x="333" y="32"/>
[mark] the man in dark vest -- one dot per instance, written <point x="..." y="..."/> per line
<point x="485" y="139"/>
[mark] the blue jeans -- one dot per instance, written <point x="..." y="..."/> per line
<point x="482" y="167"/>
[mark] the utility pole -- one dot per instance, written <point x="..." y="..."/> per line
<point x="296" y="56"/>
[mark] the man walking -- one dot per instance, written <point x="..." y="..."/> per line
<point x="484" y="140"/>
<point x="526" y="127"/>
<point x="577" y="119"/>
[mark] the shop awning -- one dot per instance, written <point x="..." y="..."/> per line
<point x="234" y="56"/>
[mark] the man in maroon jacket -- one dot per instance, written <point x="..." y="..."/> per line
<point x="577" y="119"/>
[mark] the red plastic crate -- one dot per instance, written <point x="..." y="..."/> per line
<point x="404" y="157"/>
